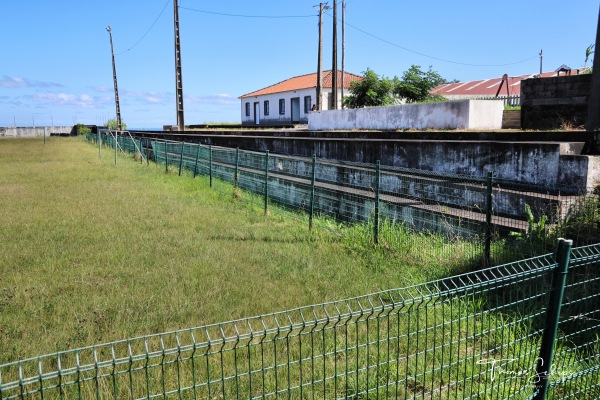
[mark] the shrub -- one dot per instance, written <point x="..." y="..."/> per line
<point x="82" y="129"/>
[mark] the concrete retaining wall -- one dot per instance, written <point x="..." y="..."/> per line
<point x="464" y="114"/>
<point x="35" y="131"/>
<point x="549" y="165"/>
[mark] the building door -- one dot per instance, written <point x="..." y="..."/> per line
<point x="295" y="110"/>
<point x="257" y="113"/>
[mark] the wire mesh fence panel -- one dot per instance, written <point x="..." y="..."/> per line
<point x="223" y="164"/>
<point x="346" y="192"/>
<point x="448" y="339"/>
<point x="529" y="220"/>
<point x="190" y="157"/>
<point x="129" y="145"/>
<point x="491" y="221"/>
<point x="576" y="370"/>
<point x="471" y="336"/>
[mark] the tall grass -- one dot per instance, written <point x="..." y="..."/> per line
<point x="92" y="252"/>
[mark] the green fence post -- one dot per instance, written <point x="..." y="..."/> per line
<point x="544" y="365"/>
<point x="210" y="164"/>
<point x="377" y="190"/>
<point x="166" y="158"/>
<point x="312" y="191"/>
<point x="266" y="182"/>
<point x="237" y="167"/>
<point x="181" y="158"/>
<point x="99" y="144"/>
<point x="196" y="162"/>
<point x="488" y="219"/>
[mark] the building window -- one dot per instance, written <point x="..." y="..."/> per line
<point x="247" y="109"/>
<point x="281" y="106"/>
<point x="307" y="104"/>
<point x="266" y="107"/>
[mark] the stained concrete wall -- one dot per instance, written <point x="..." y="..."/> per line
<point x="463" y="114"/>
<point x="550" y="165"/>
<point x="35" y="131"/>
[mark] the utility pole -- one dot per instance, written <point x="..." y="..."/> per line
<point x="114" y="68"/>
<point x="322" y="6"/>
<point x="178" y="79"/>
<point x="343" y="47"/>
<point x="593" y="117"/>
<point x="334" y="89"/>
<point x="541" y="56"/>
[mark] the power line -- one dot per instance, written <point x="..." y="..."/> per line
<point x="434" y="57"/>
<point x="362" y="31"/>
<point x="148" y="31"/>
<point x="249" y="16"/>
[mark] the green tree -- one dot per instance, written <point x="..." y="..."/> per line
<point x="415" y="84"/>
<point x="588" y="53"/>
<point x="112" y="124"/>
<point x="371" y="91"/>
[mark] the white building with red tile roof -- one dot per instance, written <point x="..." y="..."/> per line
<point x="290" y="101"/>
<point x="487" y="88"/>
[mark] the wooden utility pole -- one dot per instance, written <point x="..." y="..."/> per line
<point x="320" y="59"/>
<point x="114" y="68"/>
<point x="178" y="78"/>
<point x="334" y="88"/>
<point x="343" y="47"/>
<point x="593" y="117"/>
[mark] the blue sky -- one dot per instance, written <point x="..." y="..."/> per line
<point x="55" y="55"/>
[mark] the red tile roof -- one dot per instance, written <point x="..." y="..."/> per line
<point x="488" y="87"/>
<point x="305" y="82"/>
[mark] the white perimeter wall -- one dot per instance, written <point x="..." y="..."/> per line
<point x="33" y="131"/>
<point x="464" y="114"/>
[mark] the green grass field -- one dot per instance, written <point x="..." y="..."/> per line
<point x="93" y="253"/>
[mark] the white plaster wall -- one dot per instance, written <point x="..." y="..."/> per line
<point x="464" y="114"/>
<point x="485" y="114"/>
<point x="273" y="99"/>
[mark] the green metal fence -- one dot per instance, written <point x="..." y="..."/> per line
<point x="476" y="335"/>
<point x="481" y="214"/>
<point x="490" y="220"/>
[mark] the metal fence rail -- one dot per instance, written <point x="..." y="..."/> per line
<point x="476" y="335"/>
<point x="510" y="101"/>
<point x="490" y="220"/>
<point x="474" y="212"/>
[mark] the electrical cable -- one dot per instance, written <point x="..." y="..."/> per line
<point x="249" y="16"/>
<point x="433" y="57"/>
<point x="362" y="31"/>
<point x="148" y="31"/>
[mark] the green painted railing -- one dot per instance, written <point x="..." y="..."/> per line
<point x="476" y="335"/>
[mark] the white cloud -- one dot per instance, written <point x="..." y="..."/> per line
<point x="65" y="99"/>
<point x="101" y="88"/>
<point x="217" y="99"/>
<point x="154" y="98"/>
<point x="18" y="82"/>
<point x="147" y="97"/>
